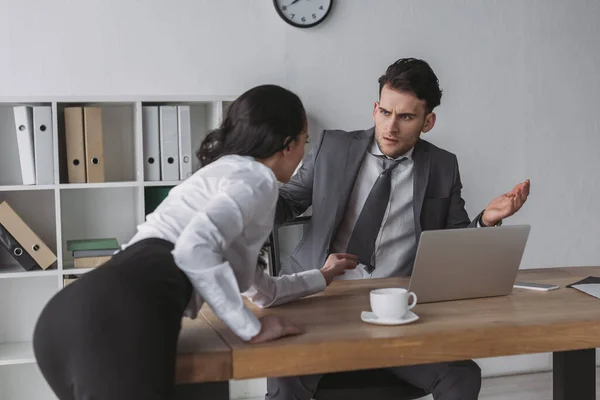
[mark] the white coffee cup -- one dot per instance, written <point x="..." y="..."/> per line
<point x="391" y="303"/>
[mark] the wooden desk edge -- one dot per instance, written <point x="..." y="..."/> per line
<point x="207" y="366"/>
<point x="351" y="354"/>
<point x="336" y="355"/>
<point x="359" y="354"/>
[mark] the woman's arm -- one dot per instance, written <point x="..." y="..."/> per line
<point x="200" y="247"/>
<point x="267" y="291"/>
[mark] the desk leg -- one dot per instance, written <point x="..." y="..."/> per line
<point x="575" y="375"/>
<point x="203" y="391"/>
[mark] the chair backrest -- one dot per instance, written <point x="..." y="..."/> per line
<point x="274" y="253"/>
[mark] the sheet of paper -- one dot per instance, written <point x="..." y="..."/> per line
<point x="592" y="289"/>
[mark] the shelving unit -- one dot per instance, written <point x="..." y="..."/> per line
<point x="16" y="353"/>
<point x="64" y="211"/>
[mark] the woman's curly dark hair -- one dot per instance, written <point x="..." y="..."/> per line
<point x="263" y="255"/>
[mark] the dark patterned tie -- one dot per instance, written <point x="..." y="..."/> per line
<point x="363" y="238"/>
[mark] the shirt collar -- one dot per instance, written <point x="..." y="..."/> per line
<point x="376" y="151"/>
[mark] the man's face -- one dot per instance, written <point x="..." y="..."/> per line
<point x="400" y="118"/>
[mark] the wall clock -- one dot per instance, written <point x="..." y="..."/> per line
<point x="303" y="13"/>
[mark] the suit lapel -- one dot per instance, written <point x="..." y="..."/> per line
<point x="422" y="159"/>
<point x="355" y="153"/>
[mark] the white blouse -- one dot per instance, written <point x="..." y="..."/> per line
<point x="218" y="219"/>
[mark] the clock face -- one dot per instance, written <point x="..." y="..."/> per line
<point x="303" y="13"/>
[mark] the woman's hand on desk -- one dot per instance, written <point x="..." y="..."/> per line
<point x="337" y="264"/>
<point x="274" y="327"/>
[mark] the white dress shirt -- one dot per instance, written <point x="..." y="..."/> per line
<point x="218" y="219"/>
<point x="396" y="244"/>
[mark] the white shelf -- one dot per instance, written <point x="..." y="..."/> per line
<point x="17" y="188"/>
<point x="161" y="183"/>
<point x="15" y="271"/>
<point x="66" y="211"/>
<point x="16" y="353"/>
<point x="98" y="185"/>
<point x="70" y="270"/>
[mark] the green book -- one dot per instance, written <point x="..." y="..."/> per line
<point x="92" y="244"/>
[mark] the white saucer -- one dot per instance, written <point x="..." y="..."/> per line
<point x="371" y="318"/>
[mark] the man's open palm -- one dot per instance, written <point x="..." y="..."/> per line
<point x="506" y="204"/>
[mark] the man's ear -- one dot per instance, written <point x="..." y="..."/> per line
<point x="429" y="122"/>
<point x="375" y="107"/>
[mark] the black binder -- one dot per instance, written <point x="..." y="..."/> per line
<point x="16" y="250"/>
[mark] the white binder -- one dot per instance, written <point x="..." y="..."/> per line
<point x="43" y="139"/>
<point x="151" y="139"/>
<point x="185" y="142"/>
<point x="24" y="131"/>
<point x="169" y="147"/>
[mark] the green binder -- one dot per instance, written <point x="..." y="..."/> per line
<point x="153" y="196"/>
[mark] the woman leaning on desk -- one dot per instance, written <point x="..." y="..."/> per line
<point x="201" y="244"/>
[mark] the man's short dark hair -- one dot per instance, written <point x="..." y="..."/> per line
<point x="416" y="76"/>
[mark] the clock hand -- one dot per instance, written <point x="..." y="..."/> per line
<point x="294" y="2"/>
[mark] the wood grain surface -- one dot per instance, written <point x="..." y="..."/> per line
<point x="337" y="340"/>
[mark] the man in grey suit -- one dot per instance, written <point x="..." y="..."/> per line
<point x="373" y="192"/>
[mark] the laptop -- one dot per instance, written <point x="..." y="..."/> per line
<point x="457" y="264"/>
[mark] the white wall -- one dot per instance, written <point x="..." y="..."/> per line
<point x="520" y="80"/>
<point x="521" y="89"/>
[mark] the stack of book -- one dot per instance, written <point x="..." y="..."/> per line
<point x="19" y="240"/>
<point x="91" y="253"/>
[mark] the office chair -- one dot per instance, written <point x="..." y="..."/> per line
<point x="377" y="384"/>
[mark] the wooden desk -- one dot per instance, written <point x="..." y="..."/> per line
<point x="203" y="357"/>
<point x="525" y="322"/>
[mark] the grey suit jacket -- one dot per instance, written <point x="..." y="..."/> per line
<point x="326" y="179"/>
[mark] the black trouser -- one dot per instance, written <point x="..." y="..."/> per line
<point x="112" y="334"/>
<point x="445" y="381"/>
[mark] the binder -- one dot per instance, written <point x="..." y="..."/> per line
<point x="169" y="152"/>
<point x="68" y="279"/>
<point x="16" y="250"/>
<point x="150" y="120"/>
<point x="43" y="139"/>
<point x="184" y="130"/>
<point x="75" y="144"/>
<point x="216" y="116"/>
<point x="94" y="146"/>
<point x="23" y="234"/>
<point x="24" y="131"/>
<point x="153" y="196"/>
<point x="90" y="262"/>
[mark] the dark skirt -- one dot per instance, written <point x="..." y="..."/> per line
<point x="112" y="334"/>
